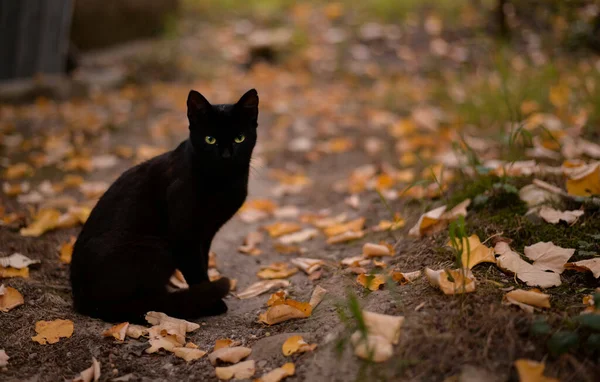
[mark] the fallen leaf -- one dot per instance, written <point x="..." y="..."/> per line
<point x="276" y="271"/>
<point x="118" y="331"/>
<point x="50" y="332"/>
<point x="17" y="261"/>
<point x="383" y="325"/>
<point x="66" y="250"/>
<point x="534" y="195"/>
<point x="158" y="318"/>
<point x="373" y="282"/>
<point x="553" y="216"/>
<point x="296" y="344"/>
<point x="317" y="296"/>
<point x="282" y="228"/>
<point x="177" y="280"/>
<point x="44" y="221"/>
<point x="10" y="298"/>
<point x="15" y="189"/>
<point x="158" y="339"/>
<point x="13" y="272"/>
<point x="261" y="287"/>
<point x="278" y="374"/>
<point x="136" y="331"/>
<point x="355" y="261"/>
<point x="18" y="170"/>
<point x="284" y="310"/>
<point x="589" y="265"/>
<point x="510" y="261"/>
<point x="286" y="212"/>
<point x="346" y="236"/>
<point x="90" y="374"/>
<point x="531" y="371"/>
<point x="299" y="237"/>
<point x="584" y="180"/>
<point x="307" y="265"/>
<point x="474" y="252"/>
<point x="371" y="347"/>
<point x="229" y="354"/>
<point x="373" y="250"/>
<point x="225" y="343"/>
<point x="3" y="358"/>
<point x="355" y="225"/>
<point x="242" y="370"/>
<point x="452" y="281"/>
<point x="251" y="242"/>
<point x="188" y="354"/>
<point x="388" y="225"/>
<point x="437" y="219"/>
<point x="405" y="277"/>
<point x="288" y="249"/>
<point x="528" y="299"/>
<point x="257" y="209"/>
<point x="382" y="331"/>
<point x="353" y="201"/>
<point x="547" y="256"/>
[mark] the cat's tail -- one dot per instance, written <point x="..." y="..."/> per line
<point x="198" y="300"/>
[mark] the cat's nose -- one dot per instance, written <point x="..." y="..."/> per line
<point x="226" y="153"/>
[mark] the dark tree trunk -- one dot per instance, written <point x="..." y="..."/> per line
<point x="34" y="37"/>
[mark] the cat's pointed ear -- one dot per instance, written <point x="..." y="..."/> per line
<point x="197" y="105"/>
<point x="248" y="104"/>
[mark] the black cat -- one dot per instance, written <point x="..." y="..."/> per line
<point x="162" y="215"/>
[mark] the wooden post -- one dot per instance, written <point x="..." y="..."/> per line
<point x="34" y="37"/>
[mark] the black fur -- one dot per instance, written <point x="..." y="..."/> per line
<point x="163" y="214"/>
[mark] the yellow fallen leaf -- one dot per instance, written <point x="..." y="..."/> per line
<point x="510" y="261"/>
<point x="307" y="265"/>
<point x="585" y="180"/>
<point x="50" y="332"/>
<point x="188" y="354"/>
<point x="282" y="228"/>
<point x="589" y="265"/>
<point x="296" y="344"/>
<point x="284" y="310"/>
<point x="299" y="237"/>
<point x="93" y="190"/>
<point x="224" y="343"/>
<point x="72" y="181"/>
<point x="158" y="339"/>
<point x="317" y="296"/>
<point x="336" y="145"/>
<point x="278" y="374"/>
<point x="45" y="220"/>
<point x="118" y="331"/>
<point x="388" y="225"/>
<point x="18" y="170"/>
<point x="242" y="370"/>
<point x="8" y="272"/>
<point x="277" y="297"/>
<point x="383" y="325"/>
<point x="15" y="189"/>
<point x="532" y="371"/>
<point x="452" y="281"/>
<point x="288" y="249"/>
<point x="371" y="347"/>
<point x="355" y="261"/>
<point x="528" y="299"/>
<point x="346" y="236"/>
<point x="474" y="252"/>
<point x="66" y="250"/>
<point x="276" y="271"/>
<point x="178" y="281"/>
<point x="553" y="216"/>
<point x="373" y="282"/>
<point x="437" y="219"/>
<point x="382" y="331"/>
<point x="9" y="298"/>
<point x="136" y="331"/>
<point x="229" y="354"/>
<point x="372" y="250"/>
<point x="547" y="256"/>
<point x="337" y="229"/>
<point x="158" y="318"/>
<point x="405" y="277"/>
<point x="252" y="240"/>
<point x="90" y="374"/>
<point x="261" y="287"/>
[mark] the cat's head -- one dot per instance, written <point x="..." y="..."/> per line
<point x="223" y="135"/>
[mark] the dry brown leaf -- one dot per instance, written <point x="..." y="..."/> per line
<point x="66" y="250"/>
<point x="158" y="339"/>
<point x="261" y="287"/>
<point x="229" y="354"/>
<point x="553" y="216"/>
<point x="373" y="250"/>
<point x="384" y="325"/>
<point x="276" y="271"/>
<point x="383" y="331"/>
<point x="307" y="265"/>
<point x="372" y="347"/>
<point x="452" y="281"/>
<point x="282" y="228"/>
<point x="510" y="261"/>
<point x="346" y="236"/>
<point x="299" y="237"/>
<point x="373" y="282"/>
<point x="50" y="332"/>
<point x="45" y="220"/>
<point x="18" y="170"/>
<point x="317" y="296"/>
<point x="589" y="265"/>
<point x="284" y="310"/>
<point x="177" y="280"/>
<point x="13" y="272"/>
<point x="3" y="358"/>
<point x="90" y="374"/>
<point x="405" y="277"/>
<point x="158" y="318"/>
<point x="278" y="374"/>
<point x="532" y="371"/>
<point x="336" y="229"/>
<point x="474" y="252"/>
<point x="17" y="261"/>
<point x="10" y="298"/>
<point x="136" y="331"/>
<point x="225" y="343"/>
<point x="288" y="249"/>
<point x="251" y="242"/>
<point x="296" y="344"/>
<point x="528" y="299"/>
<point x="188" y="354"/>
<point x="242" y="370"/>
<point x="355" y="261"/>
<point x="118" y="331"/>
<point x="547" y="256"/>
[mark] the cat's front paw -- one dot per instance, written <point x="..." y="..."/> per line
<point x="221" y="287"/>
<point x="218" y="307"/>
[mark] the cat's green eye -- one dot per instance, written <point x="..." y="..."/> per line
<point x="240" y="138"/>
<point x="210" y="140"/>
